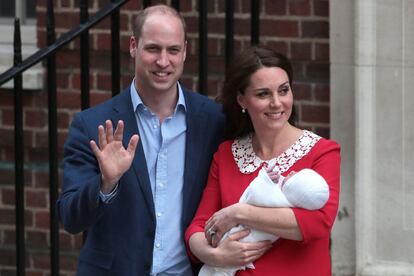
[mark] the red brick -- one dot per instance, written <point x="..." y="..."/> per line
<point x="41" y="179"/>
<point x="68" y="59"/>
<point x="301" y="91"/>
<point x="97" y="98"/>
<point x="36" y="239"/>
<point x="132" y="6"/>
<point x="8" y="196"/>
<point x="30" y="272"/>
<point x="7" y="257"/>
<point x="322" y="51"/>
<point x="210" y="7"/>
<point x="66" y="4"/>
<point x="6" y="99"/>
<point x="7" y="137"/>
<point x="68" y="262"/>
<point x="62" y="79"/>
<point x="41" y="261"/>
<point x="7" y="216"/>
<point x="62" y="120"/>
<point x="242" y="6"/>
<point x="9" y="237"/>
<point x="317" y="71"/>
<point x="36" y="198"/>
<point x="186" y="6"/>
<point x="65" y="241"/>
<point x="216" y="25"/>
<point x="192" y="24"/>
<point x="36" y="118"/>
<point x="279" y="46"/>
<point x="7" y="117"/>
<point x="42" y="220"/>
<point x="103" y="42"/>
<point x="66" y="20"/>
<point x="300" y="50"/>
<point x="315" y="29"/>
<point x="70" y="99"/>
<point x="103" y="25"/>
<point x="273" y="7"/>
<point x="321" y="92"/>
<point x="214" y="47"/>
<point x="104" y="81"/>
<point x="279" y="28"/>
<point x="321" y="8"/>
<point x="216" y="66"/>
<point x="299" y="7"/>
<point x="241" y="26"/>
<point x="38" y="155"/>
<point x="315" y="114"/>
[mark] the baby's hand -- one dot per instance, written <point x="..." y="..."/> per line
<point x="274" y="175"/>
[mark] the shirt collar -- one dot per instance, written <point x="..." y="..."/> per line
<point x="137" y="101"/>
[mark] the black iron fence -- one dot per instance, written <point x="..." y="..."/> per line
<point x="49" y="54"/>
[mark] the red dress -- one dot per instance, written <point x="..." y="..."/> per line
<point x="226" y="183"/>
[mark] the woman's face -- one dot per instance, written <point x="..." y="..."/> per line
<point x="268" y="99"/>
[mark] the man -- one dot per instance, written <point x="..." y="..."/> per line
<point x="136" y="189"/>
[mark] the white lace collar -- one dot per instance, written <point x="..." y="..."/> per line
<point x="248" y="162"/>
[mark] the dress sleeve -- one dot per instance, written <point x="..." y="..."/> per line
<point x="209" y="204"/>
<point x="318" y="223"/>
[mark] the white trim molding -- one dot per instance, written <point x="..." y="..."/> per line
<point x="32" y="77"/>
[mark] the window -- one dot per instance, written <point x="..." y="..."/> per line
<point x="25" y="10"/>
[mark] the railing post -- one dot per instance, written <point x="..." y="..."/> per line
<point x="176" y="4"/>
<point x="53" y="147"/>
<point x="202" y="47"/>
<point x="115" y="52"/>
<point x="146" y="3"/>
<point x="19" y="155"/>
<point x="84" y="45"/>
<point x="255" y="21"/>
<point x="229" y="31"/>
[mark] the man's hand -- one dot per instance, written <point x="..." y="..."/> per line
<point x="114" y="160"/>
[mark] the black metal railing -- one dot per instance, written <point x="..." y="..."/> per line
<point x="49" y="54"/>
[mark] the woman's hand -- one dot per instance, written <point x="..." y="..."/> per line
<point x="232" y="252"/>
<point x="221" y="222"/>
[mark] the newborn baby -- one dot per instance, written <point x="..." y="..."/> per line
<point x="305" y="189"/>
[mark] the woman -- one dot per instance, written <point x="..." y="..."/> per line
<point x="257" y="99"/>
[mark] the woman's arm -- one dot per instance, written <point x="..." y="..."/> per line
<point x="280" y="222"/>
<point x="230" y="253"/>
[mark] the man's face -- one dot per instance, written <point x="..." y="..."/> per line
<point x="159" y="53"/>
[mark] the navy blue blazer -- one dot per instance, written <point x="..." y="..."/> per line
<point x="121" y="234"/>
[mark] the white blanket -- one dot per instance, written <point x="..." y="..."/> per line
<point x="305" y="189"/>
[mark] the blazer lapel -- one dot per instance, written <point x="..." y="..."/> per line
<point x="123" y="110"/>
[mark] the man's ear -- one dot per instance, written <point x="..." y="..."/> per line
<point x="133" y="44"/>
<point x="185" y="50"/>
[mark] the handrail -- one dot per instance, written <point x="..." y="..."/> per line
<point x="62" y="41"/>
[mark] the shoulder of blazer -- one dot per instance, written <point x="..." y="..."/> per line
<point x="118" y="103"/>
<point x="196" y="103"/>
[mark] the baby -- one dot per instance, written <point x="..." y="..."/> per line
<point x="305" y="189"/>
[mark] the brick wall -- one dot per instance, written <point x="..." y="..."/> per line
<point x="298" y="28"/>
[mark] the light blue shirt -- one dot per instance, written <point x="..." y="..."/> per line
<point x="164" y="149"/>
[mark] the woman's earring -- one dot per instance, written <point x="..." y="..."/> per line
<point x="243" y="110"/>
